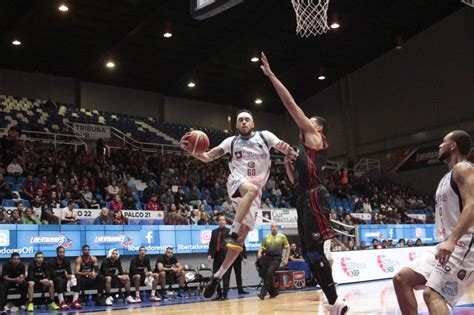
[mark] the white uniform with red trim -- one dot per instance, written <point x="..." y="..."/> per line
<point x="249" y="162"/>
<point x="453" y="279"/>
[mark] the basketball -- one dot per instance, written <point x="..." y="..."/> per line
<point x="199" y="142"/>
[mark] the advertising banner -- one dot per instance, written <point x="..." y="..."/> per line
<point x="28" y="239"/>
<point x="375" y="264"/>
<point x="425" y="232"/>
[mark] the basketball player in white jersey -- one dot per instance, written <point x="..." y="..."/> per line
<point x="447" y="271"/>
<point x="249" y="165"/>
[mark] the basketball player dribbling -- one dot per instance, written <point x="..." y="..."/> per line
<point x="447" y="271"/>
<point x="312" y="204"/>
<point x="249" y="166"/>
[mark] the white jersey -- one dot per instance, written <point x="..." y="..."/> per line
<point x="449" y="205"/>
<point x="250" y="158"/>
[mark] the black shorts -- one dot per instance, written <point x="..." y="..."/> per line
<point x="171" y="277"/>
<point x="313" y="207"/>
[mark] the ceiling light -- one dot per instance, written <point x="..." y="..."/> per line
<point x="16" y="42"/>
<point x="63" y="8"/>
<point x="254" y="59"/>
<point x="335" y="25"/>
<point x="322" y="74"/>
<point x="110" y="64"/>
<point x="167" y="35"/>
<point x="258" y="101"/>
<point x="398" y="42"/>
<point x="191" y="84"/>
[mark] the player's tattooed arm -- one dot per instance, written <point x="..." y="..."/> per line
<point x="211" y="155"/>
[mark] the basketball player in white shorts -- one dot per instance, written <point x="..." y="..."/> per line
<point x="249" y="165"/>
<point x="447" y="271"/>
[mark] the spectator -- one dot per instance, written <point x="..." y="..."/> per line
<point x="167" y="199"/>
<point x="152" y="204"/>
<point x="375" y="244"/>
<point x="119" y="219"/>
<point x="203" y="220"/>
<point x="217" y="194"/>
<point x="347" y="229"/>
<point x="68" y="214"/>
<point x="112" y="190"/>
<point x="88" y="198"/>
<point x="401" y="243"/>
<point x="131" y="185"/>
<point x="351" y="245"/>
<point x="29" y="189"/>
<point x="418" y="242"/>
<point x="148" y="191"/>
<point x="295" y="253"/>
<point x="14" y="168"/>
<point x="180" y="198"/>
<point x="194" y="218"/>
<point x="5" y="191"/>
<point x="267" y="204"/>
<point x="194" y="196"/>
<point x="116" y="203"/>
<point x="130" y="203"/>
<point x="362" y="245"/>
<point x="104" y="218"/>
<point x="4" y="219"/>
<point x="45" y="186"/>
<point x="409" y="243"/>
<point x="29" y="218"/>
<point x="15" y="217"/>
<point x="76" y="196"/>
<point x="53" y="201"/>
<point x="282" y="203"/>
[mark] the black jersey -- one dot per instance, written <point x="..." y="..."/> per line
<point x="60" y="269"/>
<point x="13" y="271"/>
<point x="36" y="273"/>
<point x="111" y="268"/>
<point x="308" y="171"/>
<point x="138" y="266"/>
<point x="87" y="265"/>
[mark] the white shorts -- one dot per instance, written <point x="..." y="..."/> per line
<point x="233" y="184"/>
<point x="452" y="280"/>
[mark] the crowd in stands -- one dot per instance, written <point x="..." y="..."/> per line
<point x="43" y="177"/>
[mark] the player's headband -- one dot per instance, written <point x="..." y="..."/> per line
<point x="244" y="115"/>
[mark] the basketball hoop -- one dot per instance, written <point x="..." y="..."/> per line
<point x="311" y="17"/>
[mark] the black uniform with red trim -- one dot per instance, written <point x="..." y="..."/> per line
<point x="312" y="204"/>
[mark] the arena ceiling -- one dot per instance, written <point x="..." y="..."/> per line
<point x="214" y="53"/>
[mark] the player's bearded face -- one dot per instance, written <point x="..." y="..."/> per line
<point x="445" y="150"/>
<point x="245" y="126"/>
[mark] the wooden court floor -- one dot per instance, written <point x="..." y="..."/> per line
<point x="365" y="298"/>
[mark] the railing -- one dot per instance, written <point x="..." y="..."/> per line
<point x="366" y="165"/>
<point x="48" y="137"/>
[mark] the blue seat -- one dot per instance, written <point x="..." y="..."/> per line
<point x="218" y="208"/>
<point x="26" y="203"/>
<point x="208" y="208"/>
<point x="138" y="205"/>
<point x="8" y="203"/>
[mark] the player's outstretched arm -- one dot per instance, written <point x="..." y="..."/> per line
<point x="295" y="111"/>
<point x="463" y="174"/>
<point x="206" y="157"/>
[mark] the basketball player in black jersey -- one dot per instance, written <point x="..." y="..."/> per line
<point x="87" y="269"/>
<point x="312" y="203"/>
<point x="61" y="273"/>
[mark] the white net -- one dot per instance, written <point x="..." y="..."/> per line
<point x="311" y="17"/>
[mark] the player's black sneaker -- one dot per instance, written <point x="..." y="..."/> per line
<point x="211" y="287"/>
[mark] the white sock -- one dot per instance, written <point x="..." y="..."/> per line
<point x="235" y="227"/>
<point x="153" y="292"/>
<point x="75" y="296"/>
<point x="220" y="273"/>
<point x="60" y="297"/>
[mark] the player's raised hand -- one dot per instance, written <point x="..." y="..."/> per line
<point x="185" y="144"/>
<point x="265" y="65"/>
